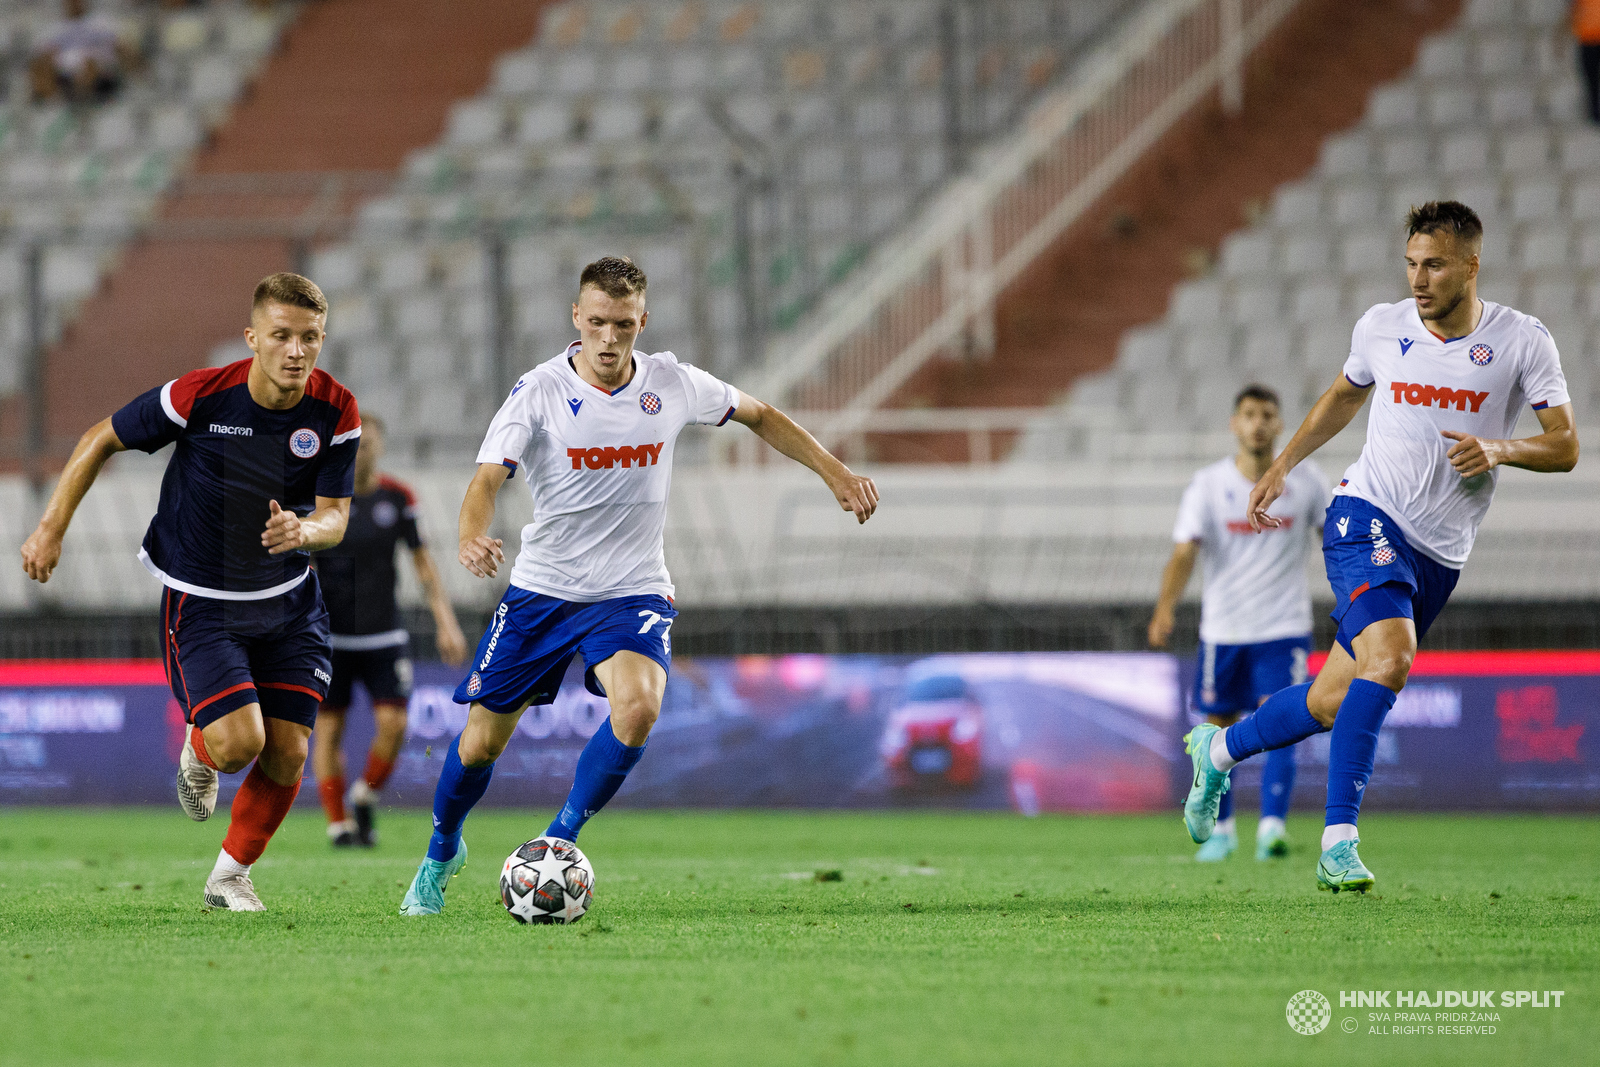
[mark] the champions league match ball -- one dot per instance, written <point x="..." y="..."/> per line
<point x="547" y="881"/>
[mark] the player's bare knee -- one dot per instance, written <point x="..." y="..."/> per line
<point x="1390" y="668"/>
<point x="633" y="716"/>
<point x="1324" y="703"/>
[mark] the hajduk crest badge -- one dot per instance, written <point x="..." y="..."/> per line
<point x="1481" y="355"/>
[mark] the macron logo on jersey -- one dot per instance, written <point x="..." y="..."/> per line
<point x="1427" y="395"/>
<point x="1405" y="345"/>
<point x="608" y="457"/>
<point x="237" y="431"/>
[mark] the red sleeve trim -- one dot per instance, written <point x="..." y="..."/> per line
<point x="323" y="386"/>
<point x="204" y="382"/>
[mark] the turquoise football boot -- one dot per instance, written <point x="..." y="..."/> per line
<point x="1205" y="796"/>
<point x="426" y="895"/>
<point x="1341" y="869"/>
<point x="1217" y="848"/>
<point x="1272" y="844"/>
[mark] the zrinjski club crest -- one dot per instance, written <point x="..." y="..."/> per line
<point x="304" y="443"/>
<point x="1481" y="355"/>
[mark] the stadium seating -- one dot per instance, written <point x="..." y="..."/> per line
<point x="83" y="178"/>
<point x="1489" y="114"/>
<point x="621" y="128"/>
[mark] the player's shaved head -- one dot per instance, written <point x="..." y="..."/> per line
<point x="615" y="276"/>
<point x="290" y="290"/>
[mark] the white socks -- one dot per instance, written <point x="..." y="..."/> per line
<point x="1340" y="831"/>
<point x="1271" y="824"/>
<point x="227" y="866"/>
<point x="1219" y="752"/>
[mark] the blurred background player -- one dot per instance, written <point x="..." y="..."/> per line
<point x="1255" y="609"/>
<point x="369" y="644"/>
<point x="261" y="476"/>
<point x="1449" y="374"/>
<point x="593" y="431"/>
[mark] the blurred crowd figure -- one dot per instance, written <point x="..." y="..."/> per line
<point x="1586" y="28"/>
<point x="86" y="56"/>
<point x="82" y="58"/>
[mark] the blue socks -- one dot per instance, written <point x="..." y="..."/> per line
<point x="1277" y="783"/>
<point x="458" y="790"/>
<point x="1225" y="808"/>
<point x="602" y="768"/>
<point x="1354" y="747"/>
<point x="1283" y="720"/>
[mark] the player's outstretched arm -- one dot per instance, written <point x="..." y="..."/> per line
<point x="854" y="492"/>
<point x="1174" y="579"/>
<point x="452" y="643"/>
<point x="323" y="528"/>
<point x="1552" y="452"/>
<point x="1331" y="413"/>
<point x="42" y="550"/>
<point x="480" y="553"/>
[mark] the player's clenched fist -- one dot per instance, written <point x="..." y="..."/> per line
<point x="283" y="532"/>
<point x="482" y="555"/>
<point x="1470" y="456"/>
<point x="857" y="494"/>
<point x="40" y="554"/>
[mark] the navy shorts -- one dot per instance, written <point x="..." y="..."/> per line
<point x="224" y="654"/>
<point x="385" y="673"/>
<point x="525" y="652"/>
<point x="1376" y="574"/>
<point x="1235" y="678"/>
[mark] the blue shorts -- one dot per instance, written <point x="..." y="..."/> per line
<point x="1376" y="574"/>
<point x="224" y="654"/>
<point x="525" y="652"/>
<point x="1235" y="678"/>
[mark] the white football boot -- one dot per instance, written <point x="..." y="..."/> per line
<point x="197" y="784"/>
<point x="233" y="892"/>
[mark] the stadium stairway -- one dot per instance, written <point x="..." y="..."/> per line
<point x="354" y="86"/>
<point x="1167" y="219"/>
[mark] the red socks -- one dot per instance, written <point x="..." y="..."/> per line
<point x="258" y="811"/>
<point x="331" y="790"/>
<point x="198" y="740"/>
<point x="378" y="770"/>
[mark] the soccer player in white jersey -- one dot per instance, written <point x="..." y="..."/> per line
<point x="1449" y="374"/>
<point x="1255" y="611"/>
<point x="593" y="432"/>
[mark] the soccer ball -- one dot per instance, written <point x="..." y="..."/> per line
<point x="547" y="881"/>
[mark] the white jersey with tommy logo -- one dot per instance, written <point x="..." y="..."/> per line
<point x="1254" y="583"/>
<point x="1422" y="385"/>
<point x="599" y="466"/>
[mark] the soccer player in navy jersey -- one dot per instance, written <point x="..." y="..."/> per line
<point x="261" y="475"/>
<point x="369" y="644"/>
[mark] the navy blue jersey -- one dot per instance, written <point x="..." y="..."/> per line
<point x="358" y="576"/>
<point x="233" y="456"/>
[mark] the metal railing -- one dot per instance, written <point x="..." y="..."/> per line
<point x="934" y="290"/>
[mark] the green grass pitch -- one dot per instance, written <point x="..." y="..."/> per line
<point x="948" y="939"/>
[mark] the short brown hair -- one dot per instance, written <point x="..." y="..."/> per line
<point x="1445" y="216"/>
<point x="1257" y="391"/>
<point x="615" y="276"/>
<point x="295" y="290"/>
